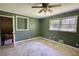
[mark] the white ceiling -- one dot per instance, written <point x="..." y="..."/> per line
<point x="25" y="9"/>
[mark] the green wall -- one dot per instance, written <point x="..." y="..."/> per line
<point x="33" y="28"/>
<point x="68" y="37"/>
<point x="40" y="27"/>
<point x="32" y="32"/>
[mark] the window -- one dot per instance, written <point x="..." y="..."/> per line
<point x="64" y="24"/>
<point x="22" y="23"/>
<point x="69" y="24"/>
<point x="54" y="24"/>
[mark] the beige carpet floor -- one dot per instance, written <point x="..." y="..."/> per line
<point x="37" y="47"/>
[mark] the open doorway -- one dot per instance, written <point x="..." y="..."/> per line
<point x="6" y="30"/>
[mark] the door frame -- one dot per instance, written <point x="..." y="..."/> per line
<point x="13" y="20"/>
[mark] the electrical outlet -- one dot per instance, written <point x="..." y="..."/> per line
<point x="61" y="41"/>
<point x="77" y="44"/>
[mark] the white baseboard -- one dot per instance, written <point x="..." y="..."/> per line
<point x="48" y="40"/>
<point x="27" y="40"/>
<point x="60" y="43"/>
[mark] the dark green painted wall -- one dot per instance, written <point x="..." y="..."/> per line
<point x="33" y="28"/>
<point x="32" y="32"/>
<point x="68" y="37"/>
<point x="41" y="28"/>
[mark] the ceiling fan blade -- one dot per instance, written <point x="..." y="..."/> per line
<point x="36" y="6"/>
<point x="45" y="4"/>
<point x="50" y="10"/>
<point x="40" y="10"/>
<point x="54" y="5"/>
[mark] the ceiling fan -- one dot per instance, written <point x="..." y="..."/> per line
<point x="46" y="7"/>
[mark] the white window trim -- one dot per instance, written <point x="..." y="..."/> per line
<point x="27" y="24"/>
<point x="76" y="16"/>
